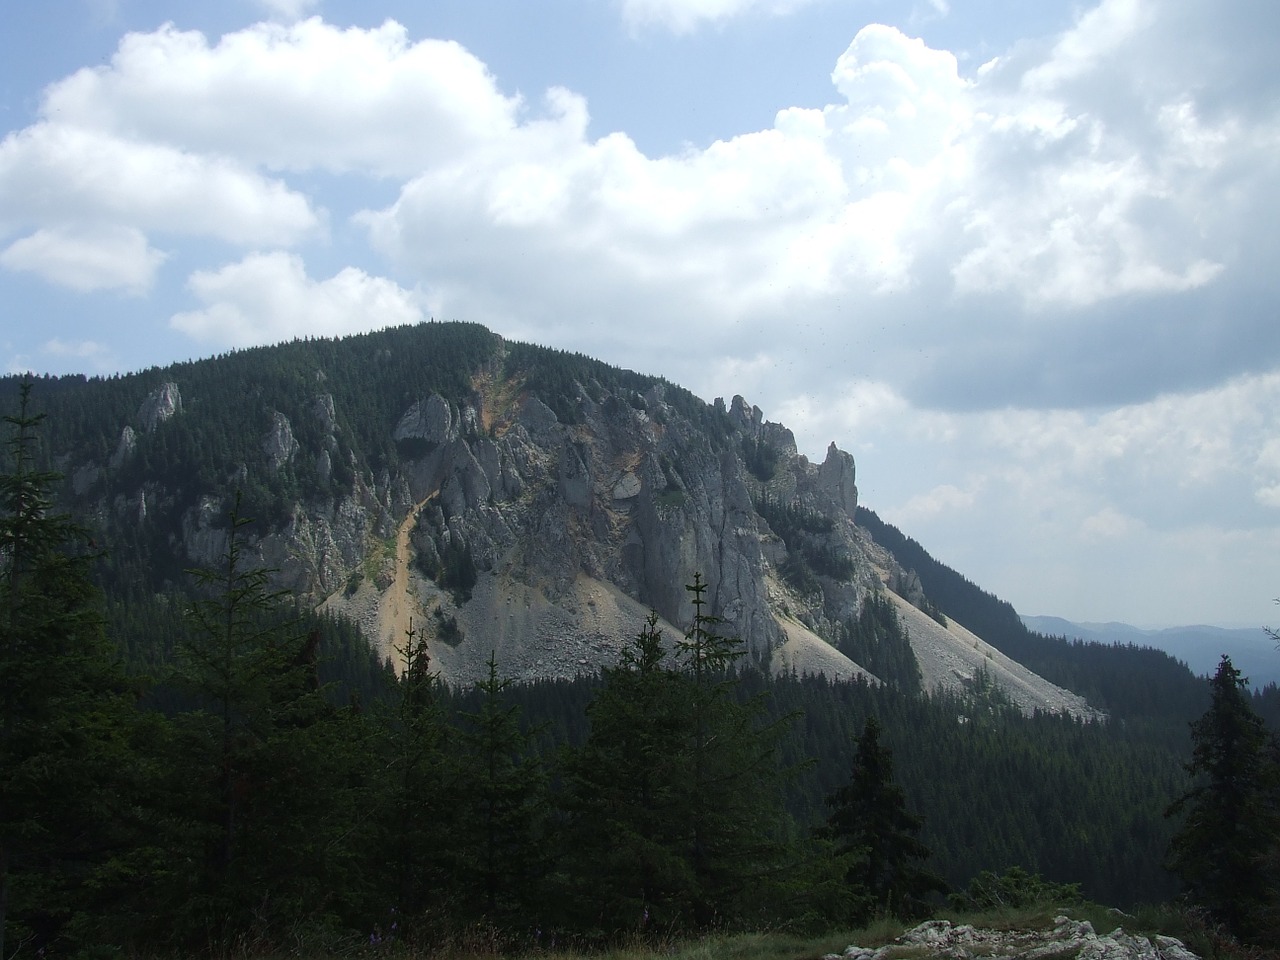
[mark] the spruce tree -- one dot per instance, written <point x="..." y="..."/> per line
<point x="1232" y="811"/>
<point x="64" y="713"/>
<point x="500" y="843"/>
<point x="877" y="836"/>
<point x="735" y="817"/>
<point x="624" y="794"/>
<point x="250" y="749"/>
<point x="420" y="818"/>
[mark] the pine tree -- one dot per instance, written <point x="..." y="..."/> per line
<point x="1232" y="810"/>
<point x="877" y="836"/>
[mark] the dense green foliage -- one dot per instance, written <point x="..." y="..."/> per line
<point x="760" y="458"/>
<point x="1074" y="801"/>
<point x="1226" y="849"/>
<point x="673" y="809"/>
<point x="66" y="719"/>
<point x="877" y="640"/>
<point x="1266" y="704"/>
<point x="877" y="837"/>
<point x="808" y="556"/>
<point x="1015" y="889"/>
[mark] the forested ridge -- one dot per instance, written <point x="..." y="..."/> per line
<point x="191" y="762"/>
<point x="1126" y="680"/>
<point x="214" y="449"/>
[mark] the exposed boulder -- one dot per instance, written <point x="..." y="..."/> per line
<point x="1066" y="938"/>
<point x="836" y="479"/>
<point x="430" y="420"/>
<point x="204" y="532"/>
<point x="323" y="410"/>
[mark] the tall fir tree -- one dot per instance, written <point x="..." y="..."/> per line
<point x="249" y="749"/>
<point x="501" y="844"/>
<point x="64" y="712"/>
<point x="624" y="794"/>
<point x="735" y="813"/>
<point x="877" y="837"/>
<point x="1231" y="825"/>
<point x="418" y="825"/>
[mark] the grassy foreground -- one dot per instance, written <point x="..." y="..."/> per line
<point x="1205" y="940"/>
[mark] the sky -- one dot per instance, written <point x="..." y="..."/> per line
<point x="1019" y="259"/>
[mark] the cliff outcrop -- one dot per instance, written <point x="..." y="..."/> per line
<point x="540" y="507"/>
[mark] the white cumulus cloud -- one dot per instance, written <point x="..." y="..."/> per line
<point x="54" y="173"/>
<point x="300" y="96"/>
<point x="268" y="297"/>
<point x="686" y="16"/>
<point x="87" y="259"/>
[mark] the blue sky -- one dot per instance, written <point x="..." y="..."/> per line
<point x="1019" y="259"/>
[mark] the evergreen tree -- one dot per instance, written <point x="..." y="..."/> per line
<point x="1232" y="811"/>
<point x="501" y="842"/>
<point x="250" y="749"/>
<point x="877" y="836"/>
<point x="734" y="813"/>
<point x="625" y="843"/>
<point x="64" y="718"/>
<point x="675" y="800"/>
<point x="416" y="828"/>
<point x="877" y="640"/>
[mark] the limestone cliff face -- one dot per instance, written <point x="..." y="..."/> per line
<point x="629" y="501"/>
<point x="494" y="523"/>
<point x="633" y="496"/>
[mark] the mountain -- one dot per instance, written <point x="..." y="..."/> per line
<point x="493" y="496"/>
<point x="499" y="496"/>
<point x="1251" y="650"/>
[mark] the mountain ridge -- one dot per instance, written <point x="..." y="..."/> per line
<point x="431" y="465"/>
<point x="1200" y="646"/>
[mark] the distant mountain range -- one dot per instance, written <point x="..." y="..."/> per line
<point x="1251" y="650"/>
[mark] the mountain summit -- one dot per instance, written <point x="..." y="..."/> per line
<point x="501" y="497"/>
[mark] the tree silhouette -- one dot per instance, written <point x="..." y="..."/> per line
<point x="63" y="708"/>
<point x="876" y="835"/>
<point x="1232" y="821"/>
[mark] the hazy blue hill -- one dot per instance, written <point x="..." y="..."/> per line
<point x="1199" y="647"/>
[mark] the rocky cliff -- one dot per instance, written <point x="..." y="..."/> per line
<point x="543" y="525"/>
